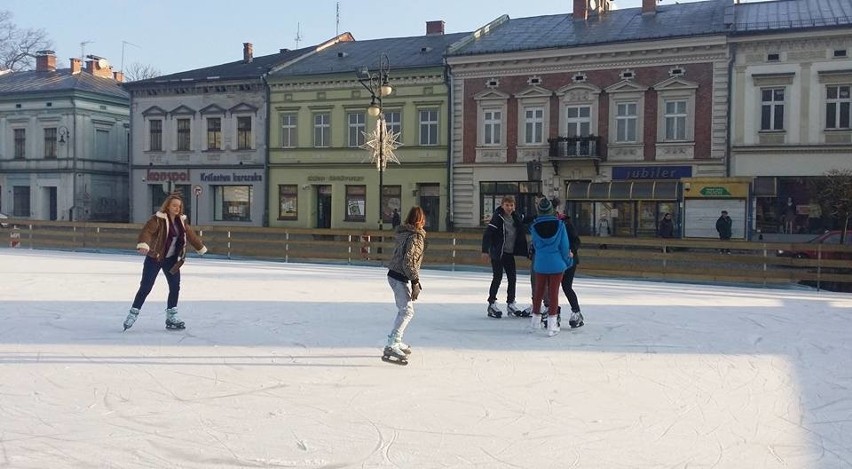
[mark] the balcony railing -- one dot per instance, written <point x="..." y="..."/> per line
<point x="574" y="147"/>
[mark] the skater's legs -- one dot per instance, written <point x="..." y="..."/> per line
<point x="405" y="309"/>
<point x="511" y="276"/>
<point x="174" y="282"/>
<point x="553" y="281"/>
<point x="540" y="286"/>
<point x="496" y="278"/>
<point x="568" y="288"/>
<point x="150" y="269"/>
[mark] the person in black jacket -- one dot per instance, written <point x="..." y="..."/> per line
<point x="576" y="320"/>
<point x="723" y="226"/>
<point x="505" y="237"/>
<point x="666" y="229"/>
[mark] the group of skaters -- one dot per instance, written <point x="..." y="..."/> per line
<point x="165" y="237"/>
<point x="553" y="252"/>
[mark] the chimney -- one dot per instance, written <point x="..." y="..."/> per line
<point x="435" y="27"/>
<point x="118" y="76"/>
<point x="45" y="61"/>
<point x="98" y="67"/>
<point x="76" y="65"/>
<point x="649" y="7"/>
<point x="581" y="10"/>
<point x="248" y="52"/>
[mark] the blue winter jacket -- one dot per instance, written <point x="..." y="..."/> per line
<point x="552" y="249"/>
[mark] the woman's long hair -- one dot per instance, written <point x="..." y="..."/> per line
<point x="416" y="217"/>
<point x="164" y="208"/>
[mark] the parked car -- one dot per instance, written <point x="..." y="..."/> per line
<point x="828" y="238"/>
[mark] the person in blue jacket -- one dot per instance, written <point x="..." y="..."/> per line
<point x="553" y="257"/>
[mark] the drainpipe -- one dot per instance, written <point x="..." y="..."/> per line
<point x="448" y="80"/>
<point x="73" y="144"/>
<point x="266" y="90"/>
<point x="732" y="51"/>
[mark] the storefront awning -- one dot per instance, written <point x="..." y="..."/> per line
<point x="622" y="190"/>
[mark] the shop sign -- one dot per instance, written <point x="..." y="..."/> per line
<point x="711" y="191"/>
<point x="167" y="176"/>
<point x="335" y="178"/>
<point x="651" y="172"/>
<point x="232" y="177"/>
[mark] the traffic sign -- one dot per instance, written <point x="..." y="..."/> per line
<point x="197" y="190"/>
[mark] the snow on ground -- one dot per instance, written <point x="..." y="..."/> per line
<point x="279" y="367"/>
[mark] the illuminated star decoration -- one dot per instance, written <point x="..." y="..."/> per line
<point x="381" y="149"/>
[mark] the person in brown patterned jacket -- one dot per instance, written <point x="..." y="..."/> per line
<point x="404" y="267"/>
<point x="163" y="243"/>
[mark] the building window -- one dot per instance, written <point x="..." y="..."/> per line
<point x="772" y="109"/>
<point x="322" y="130"/>
<point x="492" y="192"/>
<point x="356" y="203"/>
<point x="837" y="107"/>
<point x="288" y="130"/>
<point x="492" y="127"/>
<point x="21" y="201"/>
<point x="214" y="133"/>
<point x="232" y="203"/>
<point x="244" y="138"/>
<point x="675" y="116"/>
<point x="20" y="144"/>
<point x="357" y="126"/>
<point x="428" y="126"/>
<point x="625" y="122"/>
<point x="393" y="119"/>
<point x="183" y="135"/>
<point x="533" y="125"/>
<point x="288" y="202"/>
<point x="391" y="199"/>
<point x="50" y="142"/>
<point x="155" y="135"/>
<point x="578" y="120"/>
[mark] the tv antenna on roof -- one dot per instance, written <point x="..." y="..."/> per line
<point x="83" y="50"/>
<point x="337" y="21"/>
<point x="298" y="34"/>
<point x="125" y="43"/>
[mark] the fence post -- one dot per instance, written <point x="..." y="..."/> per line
<point x="349" y="250"/>
<point x="454" y="254"/>
<point x="765" y="268"/>
<point x="229" y="244"/>
<point x="819" y="265"/>
<point x="286" y="246"/>
<point x="98" y="239"/>
<point x="31" y="235"/>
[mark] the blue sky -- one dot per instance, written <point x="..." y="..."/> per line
<point x="178" y="35"/>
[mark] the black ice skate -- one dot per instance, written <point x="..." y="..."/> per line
<point x="558" y="318"/>
<point x="494" y="311"/>
<point x="576" y="320"/>
<point x="395" y="355"/>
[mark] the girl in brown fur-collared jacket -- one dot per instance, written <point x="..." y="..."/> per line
<point x="403" y="267"/>
<point x="163" y="243"/>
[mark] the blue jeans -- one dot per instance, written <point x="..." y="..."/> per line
<point x="404" y="307"/>
<point x="149" y="274"/>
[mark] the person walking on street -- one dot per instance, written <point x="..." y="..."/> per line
<point x="163" y="242"/>
<point x="395" y="221"/>
<point x="723" y="226"/>
<point x="404" y="267"/>
<point x="552" y="258"/>
<point x="505" y="237"/>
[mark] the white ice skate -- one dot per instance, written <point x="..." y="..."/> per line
<point x="173" y="321"/>
<point x="552" y="326"/>
<point x="535" y="323"/>
<point x="513" y="310"/>
<point x="494" y="311"/>
<point x="131" y="318"/>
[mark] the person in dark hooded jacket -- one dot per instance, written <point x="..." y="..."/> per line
<point x="553" y="257"/>
<point x="505" y="237"/>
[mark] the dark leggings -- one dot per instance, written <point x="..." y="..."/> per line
<point x="568" y="288"/>
<point x="149" y="274"/>
<point x="507" y="263"/>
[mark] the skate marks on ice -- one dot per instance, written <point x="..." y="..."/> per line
<point x="277" y="374"/>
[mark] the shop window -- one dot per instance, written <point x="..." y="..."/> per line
<point x="232" y="203"/>
<point x="288" y="202"/>
<point x="492" y="194"/>
<point x="391" y="199"/>
<point x="356" y="203"/>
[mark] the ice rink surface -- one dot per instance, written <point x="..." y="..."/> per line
<point x="279" y="367"/>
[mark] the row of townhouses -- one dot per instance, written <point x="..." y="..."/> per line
<point x="625" y="115"/>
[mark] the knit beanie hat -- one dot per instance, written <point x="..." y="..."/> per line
<point x="545" y="207"/>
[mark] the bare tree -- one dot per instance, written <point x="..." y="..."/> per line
<point x="137" y="71"/>
<point x="834" y="192"/>
<point x="18" y="46"/>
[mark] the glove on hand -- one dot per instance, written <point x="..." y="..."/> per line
<point x="415" y="290"/>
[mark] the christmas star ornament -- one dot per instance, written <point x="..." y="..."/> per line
<point x="381" y="147"/>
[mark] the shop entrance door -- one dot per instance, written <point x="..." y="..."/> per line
<point x="323" y="206"/>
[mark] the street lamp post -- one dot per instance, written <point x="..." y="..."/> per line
<point x="377" y="84"/>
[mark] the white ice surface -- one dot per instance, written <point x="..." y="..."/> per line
<point x="279" y="367"/>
